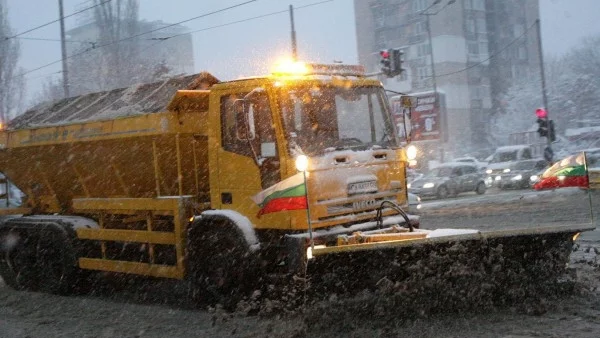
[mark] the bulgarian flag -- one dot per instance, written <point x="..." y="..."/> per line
<point x="289" y="194"/>
<point x="569" y="172"/>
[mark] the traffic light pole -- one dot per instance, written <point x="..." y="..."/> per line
<point x="435" y="92"/>
<point x="543" y="77"/>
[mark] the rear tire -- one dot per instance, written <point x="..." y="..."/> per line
<point x="41" y="261"/>
<point x="480" y="190"/>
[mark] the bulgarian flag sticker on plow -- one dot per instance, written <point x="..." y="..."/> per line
<point x="569" y="172"/>
<point x="289" y="194"/>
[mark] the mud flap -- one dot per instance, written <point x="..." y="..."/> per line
<point x="432" y="274"/>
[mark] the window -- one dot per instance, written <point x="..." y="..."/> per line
<point x="518" y="30"/>
<point x="522" y="53"/>
<point x="481" y="28"/>
<point x="423" y="49"/>
<point x="470" y="26"/>
<point x="526" y="154"/>
<point x="473" y="48"/>
<point x="234" y="137"/>
<point x="479" y="5"/>
<point x="420" y="28"/>
<point x="424" y="72"/>
<point x="420" y="5"/>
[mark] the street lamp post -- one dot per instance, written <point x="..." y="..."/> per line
<point x="433" y="78"/>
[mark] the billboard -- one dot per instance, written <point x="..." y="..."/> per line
<point x="425" y="118"/>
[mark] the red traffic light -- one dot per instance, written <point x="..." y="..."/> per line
<point x="384" y="54"/>
<point x="541" y="113"/>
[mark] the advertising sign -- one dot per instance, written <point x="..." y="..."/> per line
<point x="424" y="116"/>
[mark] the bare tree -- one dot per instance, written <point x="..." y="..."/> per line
<point x="11" y="83"/>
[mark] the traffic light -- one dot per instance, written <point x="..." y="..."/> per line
<point x="396" y="56"/>
<point x="551" y="133"/>
<point x="542" y="127"/>
<point x="546" y="129"/>
<point x="391" y="62"/>
<point x="386" y="63"/>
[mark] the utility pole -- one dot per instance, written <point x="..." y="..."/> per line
<point x="544" y="95"/>
<point x="442" y="117"/>
<point x="294" y="44"/>
<point x="64" y="49"/>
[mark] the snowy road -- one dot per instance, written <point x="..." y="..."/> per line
<point x="30" y="314"/>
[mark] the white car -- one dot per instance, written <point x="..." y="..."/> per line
<point x="471" y="160"/>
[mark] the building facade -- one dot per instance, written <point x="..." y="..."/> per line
<point x="166" y="49"/>
<point x="466" y="35"/>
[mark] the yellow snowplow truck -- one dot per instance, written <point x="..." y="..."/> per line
<point x="227" y="183"/>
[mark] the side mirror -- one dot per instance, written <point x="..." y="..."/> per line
<point x="244" y="120"/>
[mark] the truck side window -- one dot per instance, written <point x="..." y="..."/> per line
<point x="526" y="154"/>
<point x="263" y="145"/>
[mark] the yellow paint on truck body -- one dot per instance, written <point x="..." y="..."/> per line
<point x="112" y="169"/>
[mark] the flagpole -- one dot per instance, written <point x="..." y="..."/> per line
<point x="587" y="174"/>
<point x="310" y="230"/>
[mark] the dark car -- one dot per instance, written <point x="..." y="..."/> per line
<point x="518" y="175"/>
<point x="449" y="179"/>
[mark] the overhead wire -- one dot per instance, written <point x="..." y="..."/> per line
<point x="242" y="20"/>
<point x="135" y="36"/>
<point x="51" y="22"/>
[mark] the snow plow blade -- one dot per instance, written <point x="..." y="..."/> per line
<point x="450" y="270"/>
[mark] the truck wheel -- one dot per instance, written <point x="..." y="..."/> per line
<point x="41" y="262"/>
<point x="219" y="265"/>
<point x="480" y="190"/>
<point x="442" y="192"/>
<point x="17" y="264"/>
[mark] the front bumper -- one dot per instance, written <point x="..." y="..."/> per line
<point x="424" y="192"/>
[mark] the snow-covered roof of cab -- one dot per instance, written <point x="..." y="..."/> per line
<point x="135" y="100"/>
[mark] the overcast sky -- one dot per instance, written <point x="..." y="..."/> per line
<point x="325" y="31"/>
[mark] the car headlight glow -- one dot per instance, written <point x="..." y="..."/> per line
<point x="428" y="185"/>
<point x="301" y="163"/>
<point x="411" y="152"/>
<point x="408" y="186"/>
<point x="489" y="171"/>
<point x="507" y="170"/>
<point x="534" y="178"/>
<point x="517" y="178"/>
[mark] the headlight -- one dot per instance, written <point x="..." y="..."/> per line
<point x="517" y="178"/>
<point x="301" y="163"/>
<point x="489" y="171"/>
<point x="428" y="185"/>
<point x="507" y="170"/>
<point x="408" y="186"/>
<point x="411" y="152"/>
<point x="534" y="178"/>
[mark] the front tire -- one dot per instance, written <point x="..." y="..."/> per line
<point x="480" y="190"/>
<point x="220" y="264"/>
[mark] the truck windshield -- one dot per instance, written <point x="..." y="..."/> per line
<point x="320" y="119"/>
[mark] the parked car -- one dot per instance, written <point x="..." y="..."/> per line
<point x="518" y="175"/>
<point x="449" y="179"/>
<point x="471" y="160"/>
